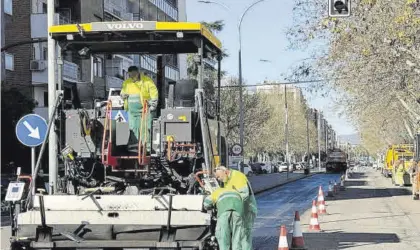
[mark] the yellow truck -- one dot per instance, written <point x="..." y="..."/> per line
<point x="399" y="173"/>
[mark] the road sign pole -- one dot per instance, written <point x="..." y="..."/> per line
<point x="31" y="131"/>
<point x="33" y="162"/>
<point x="52" y="141"/>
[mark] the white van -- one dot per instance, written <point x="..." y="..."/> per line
<point x="246" y="169"/>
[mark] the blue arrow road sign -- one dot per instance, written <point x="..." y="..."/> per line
<point x="31" y="130"/>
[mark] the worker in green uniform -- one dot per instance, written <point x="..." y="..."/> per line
<point x="135" y="90"/>
<point x="230" y="226"/>
<point x="236" y="180"/>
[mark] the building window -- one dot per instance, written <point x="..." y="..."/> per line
<point x="45" y="98"/>
<point x="9" y="61"/>
<point x="45" y="53"/>
<point x="8" y="7"/>
<point x="44" y="8"/>
<point x="97" y="67"/>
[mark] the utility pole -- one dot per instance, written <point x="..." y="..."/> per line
<point x="286" y="131"/>
<point x="52" y="139"/>
<point x="319" y="140"/>
<point x="307" y="138"/>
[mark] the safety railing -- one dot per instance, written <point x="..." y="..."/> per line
<point x="107" y="157"/>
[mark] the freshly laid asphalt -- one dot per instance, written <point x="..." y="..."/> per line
<point x="277" y="207"/>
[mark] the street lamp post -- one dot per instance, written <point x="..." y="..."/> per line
<point x="241" y="103"/>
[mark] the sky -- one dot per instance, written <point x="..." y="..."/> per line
<point x="263" y="37"/>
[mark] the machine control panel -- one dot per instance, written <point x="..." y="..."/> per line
<point x="210" y="184"/>
<point x="15" y="191"/>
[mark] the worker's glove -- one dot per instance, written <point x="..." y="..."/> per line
<point x="124" y="96"/>
<point x="153" y="105"/>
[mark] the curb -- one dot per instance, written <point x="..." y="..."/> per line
<point x="286" y="182"/>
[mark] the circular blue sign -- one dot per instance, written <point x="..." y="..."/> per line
<point x="31" y="130"/>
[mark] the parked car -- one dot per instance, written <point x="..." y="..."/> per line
<point x="246" y="169"/>
<point x="268" y="168"/>
<point x="300" y="166"/>
<point x="283" y="167"/>
<point x="256" y="168"/>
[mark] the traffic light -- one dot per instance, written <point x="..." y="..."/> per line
<point x="339" y="8"/>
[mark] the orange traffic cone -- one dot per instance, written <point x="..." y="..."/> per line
<point x="320" y="195"/>
<point x="283" y="245"/>
<point x="297" y="238"/>
<point x="321" y="202"/>
<point x="314" y="224"/>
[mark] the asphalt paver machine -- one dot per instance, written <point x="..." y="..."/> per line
<point x="113" y="194"/>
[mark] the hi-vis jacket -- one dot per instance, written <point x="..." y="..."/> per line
<point x="238" y="181"/>
<point x="225" y="199"/>
<point x="145" y="87"/>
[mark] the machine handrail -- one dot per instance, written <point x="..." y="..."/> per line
<point x="143" y="124"/>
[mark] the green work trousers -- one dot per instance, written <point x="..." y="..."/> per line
<point x="135" y="110"/>
<point x="250" y="212"/>
<point x="230" y="231"/>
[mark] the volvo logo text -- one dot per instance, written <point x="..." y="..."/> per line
<point x="124" y="26"/>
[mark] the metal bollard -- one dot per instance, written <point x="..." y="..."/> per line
<point x="342" y="187"/>
<point x="330" y="190"/>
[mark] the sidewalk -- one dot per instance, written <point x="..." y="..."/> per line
<point x="264" y="182"/>
<point x="370" y="214"/>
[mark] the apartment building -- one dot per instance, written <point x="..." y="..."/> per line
<point x="25" y="66"/>
<point x="293" y="92"/>
<point x="328" y="135"/>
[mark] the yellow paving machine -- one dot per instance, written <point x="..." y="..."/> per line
<point x="112" y="194"/>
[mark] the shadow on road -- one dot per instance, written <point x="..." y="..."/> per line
<point x="341" y="240"/>
<point x="366" y="193"/>
<point x="329" y="240"/>
<point x="358" y="175"/>
<point x="352" y="183"/>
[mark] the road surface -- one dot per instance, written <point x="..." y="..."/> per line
<point x="277" y="207"/>
<point x="371" y="214"/>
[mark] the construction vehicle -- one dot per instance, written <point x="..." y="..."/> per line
<point x="112" y="194"/>
<point x="395" y="153"/>
<point x="336" y="161"/>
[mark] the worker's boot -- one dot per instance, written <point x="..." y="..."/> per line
<point x="416" y="197"/>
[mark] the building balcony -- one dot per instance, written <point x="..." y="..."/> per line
<point x="149" y="63"/>
<point x="39" y="68"/>
<point x="113" y="82"/>
<point x="118" y="9"/>
<point x="42" y="111"/>
<point x="167" y="8"/>
<point x="39" y="24"/>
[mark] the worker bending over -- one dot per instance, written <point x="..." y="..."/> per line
<point x="230" y="225"/>
<point x="135" y="90"/>
<point x="236" y="180"/>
